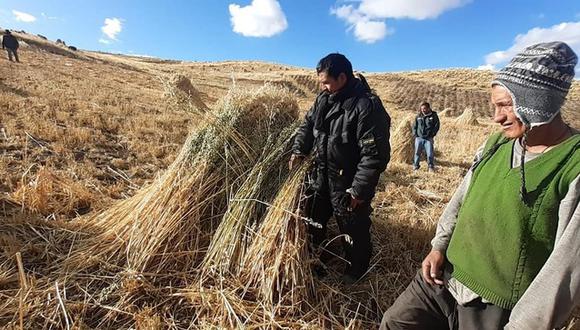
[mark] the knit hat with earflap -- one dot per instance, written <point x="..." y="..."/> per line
<point x="538" y="80"/>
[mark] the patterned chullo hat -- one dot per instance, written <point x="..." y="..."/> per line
<point x="538" y="80"/>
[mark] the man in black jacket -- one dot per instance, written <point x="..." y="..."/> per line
<point x="425" y="128"/>
<point x="347" y="132"/>
<point x="10" y="43"/>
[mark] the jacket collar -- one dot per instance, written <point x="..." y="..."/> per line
<point x="345" y="98"/>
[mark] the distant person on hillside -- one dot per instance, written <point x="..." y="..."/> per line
<point x="10" y="43"/>
<point x="425" y="128"/>
<point x="507" y="245"/>
<point x="347" y="132"/>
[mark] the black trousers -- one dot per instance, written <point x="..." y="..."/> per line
<point x="321" y="206"/>
<point x="12" y="52"/>
<point x="424" y="306"/>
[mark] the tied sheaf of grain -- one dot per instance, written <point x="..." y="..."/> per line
<point x="147" y="193"/>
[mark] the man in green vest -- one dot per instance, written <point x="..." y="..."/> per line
<point x="507" y="251"/>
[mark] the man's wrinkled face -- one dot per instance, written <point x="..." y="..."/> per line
<point x="330" y="84"/>
<point x="504" y="113"/>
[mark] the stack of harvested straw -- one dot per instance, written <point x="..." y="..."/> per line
<point x="274" y="284"/>
<point x="180" y="92"/>
<point x="167" y="225"/>
<point x="277" y="261"/>
<point x="403" y="141"/>
<point x="467" y="118"/>
<point x="245" y="209"/>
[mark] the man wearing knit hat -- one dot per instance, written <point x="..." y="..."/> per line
<point x="506" y="249"/>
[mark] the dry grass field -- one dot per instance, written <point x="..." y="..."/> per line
<point x="85" y="133"/>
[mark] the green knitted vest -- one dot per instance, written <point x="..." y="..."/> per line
<point x="499" y="243"/>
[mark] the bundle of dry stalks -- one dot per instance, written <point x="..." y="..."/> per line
<point x="245" y="209"/>
<point x="467" y="118"/>
<point x="273" y="286"/>
<point x="166" y="226"/>
<point x="402" y="141"/>
<point x="277" y="263"/>
<point x="180" y="92"/>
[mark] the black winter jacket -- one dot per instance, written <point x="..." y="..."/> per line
<point x="348" y="134"/>
<point x="9" y="41"/>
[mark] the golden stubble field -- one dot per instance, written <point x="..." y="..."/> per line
<point x="80" y="131"/>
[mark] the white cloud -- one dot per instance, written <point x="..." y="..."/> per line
<point x="23" y="17"/>
<point x="490" y="67"/>
<point x="413" y="9"/>
<point x="566" y="32"/>
<point x="113" y="26"/>
<point x="132" y="53"/>
<point x="370" y="31"/>
<point x="262" y="18"/>
<point x="365" y="29"/>
<point x="367" y="19"/>
<point x="105" y="41"/>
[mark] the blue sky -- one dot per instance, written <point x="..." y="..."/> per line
<point x="377" y="35"/>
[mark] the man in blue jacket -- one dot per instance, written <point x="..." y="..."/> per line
<point x="425" y="128"/>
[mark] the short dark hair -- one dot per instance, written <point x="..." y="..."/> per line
<point x="334" y="64"/>
<point x="425" y="104"/>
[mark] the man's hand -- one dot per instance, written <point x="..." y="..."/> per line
<point x="432" y="267"/>
<point x="295" y="160"/>
<point x="354" y="202"/>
